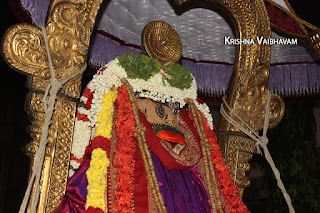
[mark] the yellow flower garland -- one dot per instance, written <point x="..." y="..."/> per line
<point x="96" y="174"/>
<point x="104" y="124"/>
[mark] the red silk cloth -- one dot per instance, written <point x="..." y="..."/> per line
<point x="284" y="22"/>
<point x="155" y="146"/>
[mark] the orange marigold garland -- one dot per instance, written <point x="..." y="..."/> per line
<point x="126" y="146"/>
<point x="228" y="189"/>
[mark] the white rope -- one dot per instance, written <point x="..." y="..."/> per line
<point x="52" y="90"/>
<point x="260" y="141"/>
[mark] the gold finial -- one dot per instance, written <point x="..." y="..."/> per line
<point x="162" y="42"/>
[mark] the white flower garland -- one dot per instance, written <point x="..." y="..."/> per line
<point x="81" y="138"/>
<point x="71" y="172"/>
<point x="101" y="83"/>
<point x="206" y="112"/>
<point x="74" y="164"/>
<point x="154" y="89"/>
<point x="83" y="99"/>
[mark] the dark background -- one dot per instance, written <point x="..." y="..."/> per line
<point x="14" y="164"/>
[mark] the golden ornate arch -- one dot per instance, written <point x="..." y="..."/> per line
<point x="69" y="26"/>
<point x="247" y="90"/>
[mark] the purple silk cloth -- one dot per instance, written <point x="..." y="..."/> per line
<point x="182" y="190"/>
<point x="38" y="10"/>
<point x="74" y="199"/>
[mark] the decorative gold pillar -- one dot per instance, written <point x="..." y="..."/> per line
<point x="247" y="90"/>
<point x="69" y="26"/>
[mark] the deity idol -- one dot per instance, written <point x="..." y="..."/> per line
<point x="143" y="142"/>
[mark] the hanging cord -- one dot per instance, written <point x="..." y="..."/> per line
<point x="52" y="90"/>
<point x="261" y="141"/>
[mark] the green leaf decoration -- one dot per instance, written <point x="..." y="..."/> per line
<point x="139" y="66"/>
<point x="181" y="77"/>
<point x="143" y="67"/>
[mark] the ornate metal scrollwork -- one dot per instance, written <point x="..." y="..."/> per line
<point x="239" y="153"/>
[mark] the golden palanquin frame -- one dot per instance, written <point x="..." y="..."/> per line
<point x="69" y="26"/>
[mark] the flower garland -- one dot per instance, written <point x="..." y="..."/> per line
<point x="106" y="78"/>
<point x="146" y="78"/>
<point x="87" y="115"/>
<point x="228" y="189"/>
<point x="154" y="89"/>
<point x="203" y="107"/>
<point x="126" y="146"/>
<point x="101" y="148"/>
<point x="104" y="124"/>
<point x="96" y="176"/>
<point x="82" y="132"/>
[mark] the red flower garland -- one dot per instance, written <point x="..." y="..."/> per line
<point x="82" y="117"/>
<point x="88" y="94"/>
<point x="228" y="188"/>
<point x="126" y="146"/>
<point x="101" y="142"/>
